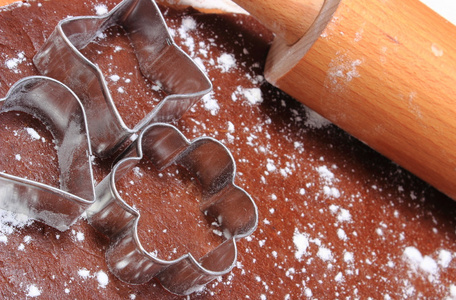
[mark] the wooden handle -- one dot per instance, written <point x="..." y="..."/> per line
<point x="288" y="19"/>
<point x="6" y="2"/>
<point x="384" y="71"/>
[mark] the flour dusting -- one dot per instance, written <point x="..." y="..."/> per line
<point x="226" y="62"/>
<point x="13" y="63"/>
<point x="315" y="120"/>
<point x="301" y="242"/>
<point x="101" y="9"/>
<point x="33" y="291"/>
<point x="10" y="222"/>
<point x="102" y="279"/>
<point x="33" y="134"/>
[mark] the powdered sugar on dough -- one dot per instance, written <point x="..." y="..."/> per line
<point x="13" y="63"/>
<point x="253" y="96"/>
<point x="33" y="291"/>
<point x="301" y="242"/>
<point x="211" y="104"/>
<point x="315" y="120"/>
<point x="102" y="279"/>
<point x="33" y="134"/>
<point x="226" y="62"/>
<point x="418" y="261"/>
<point x="10" y="221"/>
<point x="84" y="273"/>
<point x="101" y="9"/>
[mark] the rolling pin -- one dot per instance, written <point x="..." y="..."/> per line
<point x="384" y="71"/>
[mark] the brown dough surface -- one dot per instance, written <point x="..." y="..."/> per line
<point x="336" y="219"/>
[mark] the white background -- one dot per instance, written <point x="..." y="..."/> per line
<point x="446" y="8"/>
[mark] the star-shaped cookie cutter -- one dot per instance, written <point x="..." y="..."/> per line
<point x="160" y="59"/>
<point x="214" y="167"/>
<point x="60" y="110"/>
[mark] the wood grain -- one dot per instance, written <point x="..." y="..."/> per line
<point x="384" y="72"/>
<point x="288" y="19"/>
<point x="6" y="2"/>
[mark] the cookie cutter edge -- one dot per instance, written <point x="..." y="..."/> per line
<point x="56" y="207"/>
<point x="112" y="216"/>
<point x="160" y="59"/>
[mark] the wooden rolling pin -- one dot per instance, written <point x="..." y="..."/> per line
<point x="384" y="71"/>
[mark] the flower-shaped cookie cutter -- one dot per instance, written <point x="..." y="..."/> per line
<point x="160" y="59"/>
<point x="60" y="110"/>
<point x="214" y="167"/>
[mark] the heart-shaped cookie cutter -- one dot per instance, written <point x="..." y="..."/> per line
<point x="160" y="59"/>
<point x="60" y="110"/>
<point x="212" y="164"/>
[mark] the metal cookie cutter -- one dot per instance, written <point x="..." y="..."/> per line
<point x="159" y="60"/>
<point x="59" y="109"/>
<point x="214" y="167"/>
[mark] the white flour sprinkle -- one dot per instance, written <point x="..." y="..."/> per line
<point x="429" y="265"/>
<point x="226" y="62"/>
<point x="230" y="127"/>
<point x="270" y="166"/>
<point x="339" y="277"/>
<point x="334" y="208"/>
<point x="308" y="292"/>
<point x="253" y="95"/>
<point x="413" y="255"/>
<point x="341" y="234"/>
<point x="325" y="174"/>
<point x="301" y="242"/>
<point x="210" y="104"/>
<point x="80" y="236"/>
<point x="436" y="50"/>
<point x="324" y="254"/>
<point x="33" y="134"/>
<point x="416" y="259"/>
<point x="341" y="71"/>
<point x="331" y="191"/>
<point x="314" y="120"/>
<point x="188" y="23"/>
<point x="453" y="291"/>
<point x="444" y="258"/>
<point x="114" y="78"/>
<point x="348" y="257"/>
<point x="10" y="221"/>
<point x="101" y="9"/>
<point x="344" y="215"/>
<point x="137" y="171"/>
<point x="103" y="279"/>
<point x="3" y="239"/>
<point x="84" y="273"/>
<point x="33" y="291"/>
<point x="13" y="63"/>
